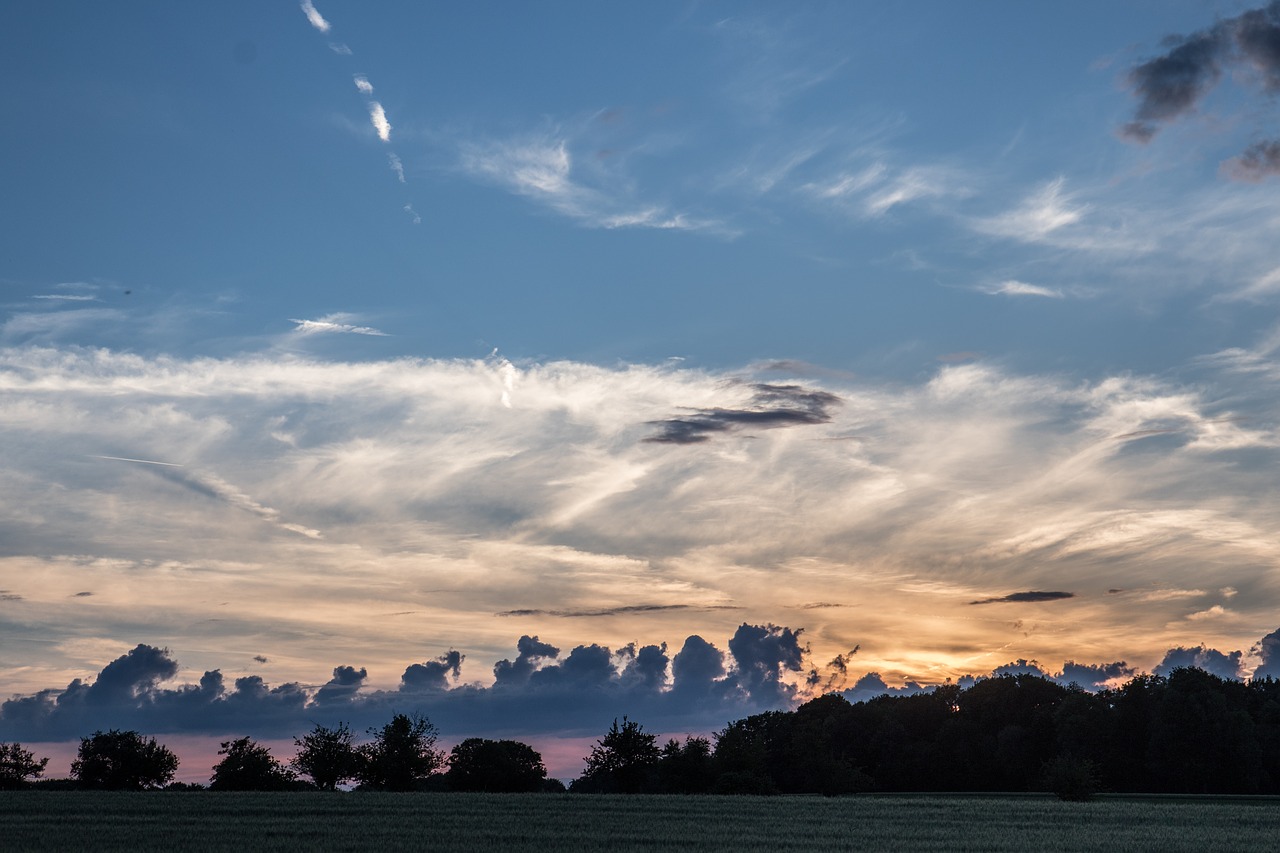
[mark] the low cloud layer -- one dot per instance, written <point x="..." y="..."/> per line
<point x="539" y="692"/>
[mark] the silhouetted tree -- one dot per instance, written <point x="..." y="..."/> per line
<point x="402" y="754"/>
<point x="687" y="768"/>
<point x="328" y="756"/>
<point x="248" y="766"/>
<point x="117" y="760"/>
<point x="623" y="761"/>
<point x="17" y="765"/>
<point x="496" y="766"/>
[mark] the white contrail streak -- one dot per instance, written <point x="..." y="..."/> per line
<point x="143" y="461"/>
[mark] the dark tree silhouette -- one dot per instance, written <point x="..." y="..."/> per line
<point x="496" y="766"/>
<point x="248" y="766"/>
<point x="328" y="756"/>
<point x="402" y="754"/>
<point x="123" y="761"/>
<point x="686" y="768"/>
<point x="624" y="761"/>
<point x="17" y="765"/>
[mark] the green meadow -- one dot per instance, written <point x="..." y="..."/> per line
<point x="45" y="820"/>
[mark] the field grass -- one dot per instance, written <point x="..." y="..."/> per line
<point x="49" y="820"/>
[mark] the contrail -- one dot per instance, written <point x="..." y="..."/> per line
<point x="143" y="461"/>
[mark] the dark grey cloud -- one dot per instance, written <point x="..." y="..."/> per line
<point x="1031" y="595"/>
<point x="1221" y="664"/>
<point x="82" y="595"/>
<point x="433" y="674"/>
<point x="1174" y="84"/>
<point x="771" y="406"/>
<point x="1093" y="676"/>
<point x="700" y="688"/>
<point x="616" y="611"/>
<point x="873" y="684"/>
<point x="1268" y="648"/>
<point x="260" y="659"/>
<point x="344" y="685"/>
<point x="541" y="691"/>
<point x="10" y="596"/>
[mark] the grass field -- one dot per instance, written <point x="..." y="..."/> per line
<point x="45" y="820"/>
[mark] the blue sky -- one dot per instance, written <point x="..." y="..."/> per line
<point x="611" y="323"/>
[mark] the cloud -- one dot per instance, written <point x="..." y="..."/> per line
<point x="617" y="611"/>
<point x="363" y="85"/>
<point x="1223" y="665"/>
<point x="539" y="692"/>
<point x="1268" y="649"/>
<point x="770" y="406"/>
<point x="542" y="168"/>
<point x="413" y="214"/>
<point x="1172" y="85"/>
<point x="378" y="117"/>
<point x="396" y="166"/>
<point x="1021" y="288"/>
<point x="439" y="501"/>
<point x="314" y="17"/>
<point x="333" y="324"/>
<point x="67" y="297"/>
<point x="1256" y="163"/>
<point x="1031" y="596"/>
<point x="1038" y="218"/>
<point x="339" y="48"/>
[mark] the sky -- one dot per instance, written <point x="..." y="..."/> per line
<point x="526" y="365"/>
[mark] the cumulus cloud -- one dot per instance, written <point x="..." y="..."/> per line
<point x="1221" y="664"/>
<point x="537" y="693"/>
<point x="314" y="18"/>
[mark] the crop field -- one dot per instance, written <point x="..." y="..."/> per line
<point x="43" y="820"/>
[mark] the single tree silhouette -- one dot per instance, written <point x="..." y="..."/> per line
<point x="248" y="766"/>
<point x="624" y="761"/>
<point x="402" y="754"/>
<point x="17" y="765"/>
<point x="328" y="755"/>
<point x="496" y="766"/>
<point x="123" y="761"/>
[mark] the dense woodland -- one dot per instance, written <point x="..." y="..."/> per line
<point x="1188" y="732"/>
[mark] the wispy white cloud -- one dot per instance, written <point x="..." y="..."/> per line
<point x="542" y="168"/>
<point x="1038" y="217"/>
<point x="363" y="85"/>
<point x="67" y="297"/>
<point x="462" y="488"/>
<point x="378" y="117"/>
<point x="314" y="17"/>
<point x="340" y="48"/>
<point x="396" y="166"/>
<point x="333" y="323"/>
<point x="413" y="214"/>
<point x="1021" y="288"/>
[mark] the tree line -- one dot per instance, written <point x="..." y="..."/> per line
<point x="1188" y="732"/>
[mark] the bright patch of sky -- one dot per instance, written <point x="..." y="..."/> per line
<point x="644" y="310"/>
